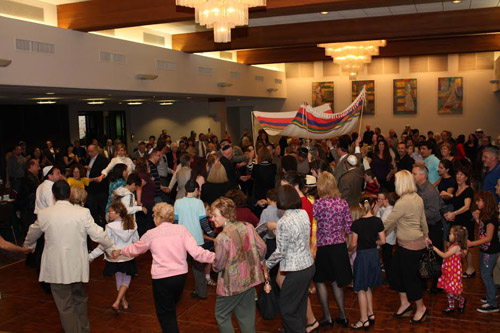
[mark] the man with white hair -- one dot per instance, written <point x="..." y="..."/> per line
<point x="351" y="182"/>
<point x="492" y="170"/>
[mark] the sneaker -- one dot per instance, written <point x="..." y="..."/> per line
<point x="486" y="308"/>
<point x="485" y="300"/>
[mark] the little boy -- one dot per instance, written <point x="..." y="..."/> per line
<point x="382" y="209"/>
<point x="372" y="187"/>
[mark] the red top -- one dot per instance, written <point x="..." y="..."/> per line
<point x="308" y="207"/>
<point x="244" y="214"/>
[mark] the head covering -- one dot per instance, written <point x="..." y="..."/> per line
<point x="303" y="152"/>
<point x="47" y="169"/>
<point x="238" y="155"/>
<point x="479" y="130"/>
<point x="352" y="160"/>
<point x="310" y="181"/>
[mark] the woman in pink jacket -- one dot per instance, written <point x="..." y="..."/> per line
<point x="169" y="245"/>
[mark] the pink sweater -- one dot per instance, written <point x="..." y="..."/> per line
<point x="169" y="244"/>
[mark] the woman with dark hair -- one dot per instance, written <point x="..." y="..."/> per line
<point x="118" y="178"/>
<point x="487" y="218"/>
<point x="318" y="166"/>
<point x="70" y="158"/>
<point x="461" y="213"/>
<point x="263" y="173"/>
<point x="295" y="259"/>
<point x="145" y="196"/>
<point x="471" y="147"/>
<point x="446" y="186"/>
<point x="75" y="178"/>
<point x="199" y="172"/>
<point x="243" y="213"/>
<point x="263" y="137"/>
<point x="382" y="164"/>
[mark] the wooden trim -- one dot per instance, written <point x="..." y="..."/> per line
<point x="397" y="48"/>
<point x="395" y="27"/>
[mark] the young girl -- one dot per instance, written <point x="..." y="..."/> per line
<point x="487" y="218"/>
<point x="451" y="278"/>
<point x="123" y="231"/>
<point x="367" y="271"/>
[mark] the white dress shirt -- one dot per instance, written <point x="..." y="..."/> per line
<point x="44" y="196"/>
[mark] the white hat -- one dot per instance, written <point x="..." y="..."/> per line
<point x="46" y="170"/>
<point x="352" y="160"/>
<point x="310" y="181"/>
<point x="479" y="130"/>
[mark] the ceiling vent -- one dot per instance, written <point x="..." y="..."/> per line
<point x="234" y="75"/>
<point x="112" y="57"/>
<point x="205" y="70"/>
<point x="34" y="46"/>
<point x="166" y="65"/>
<point x="259" y="78"/>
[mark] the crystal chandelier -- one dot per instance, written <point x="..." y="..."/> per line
<point x="352" y="56"/>
<point x="221" y="15"/>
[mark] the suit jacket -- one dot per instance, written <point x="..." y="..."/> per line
<point x="65" y="257"/>
<point x="52" y="158"/>
<point x="340" y="168"/>
<point x="351" y="185"/>
<point x="100" y="164"/>
<point x="170" y="158"/>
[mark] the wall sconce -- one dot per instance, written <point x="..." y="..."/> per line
<point x="5" y="62"/>
<point x="224" y="84"/>
<point x="146" y="76"/>
<point x="271" y="90"/>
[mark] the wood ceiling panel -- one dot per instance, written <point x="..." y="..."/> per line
<point x="110" y="14"/>
<point x="396" y="27"/>
<point x="397" y="48"/>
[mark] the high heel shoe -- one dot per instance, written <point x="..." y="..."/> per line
<point x="405" y="313"/>
<point x="342" y="322"/>
<point x="326" y="322"/>
<point x="363" y="325"/>
<point x="371" y="319"/>
<point x="419" y="321"/>
<point x="466" y="275"/>
<point x="315" y="329"/>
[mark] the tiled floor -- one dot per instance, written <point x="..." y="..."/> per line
<point x="24" y="307"/>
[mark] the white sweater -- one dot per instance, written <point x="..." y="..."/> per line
<point x="120" y="238"/>
<point x="117" y="160"/>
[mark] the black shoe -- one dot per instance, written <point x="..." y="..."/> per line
<point x="363" y="325"/>
<point x="342" y="322"/>
<point x="326" y="322"/>
<point x="419" y="321"/>
<point x="405" y="313"/>
<point x="371" y="319"/>
<point x="194" y="294"/>
<point x="448" y="311"/>
<point x="462" y="309"/>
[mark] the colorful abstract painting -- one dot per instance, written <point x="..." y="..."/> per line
<point x="322" y="93"/>
<point x="450" y="95"/>
<point x="405" y="96"/>
<point x="357" y="86"/>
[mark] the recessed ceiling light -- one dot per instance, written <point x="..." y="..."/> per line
<point x="134" y="103"/>
<point x="95" y="102"/>
<point x="456" y="1"/>
<point x="50" y="93"/>
<point x="166" y="103"/>
<point x="188" y="97"/>
<point x="45" y="102"/>
<point x="324" y="13"/>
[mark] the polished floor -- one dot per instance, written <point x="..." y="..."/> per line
<point x="24" y="307"/>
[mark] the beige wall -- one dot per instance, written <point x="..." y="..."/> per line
<point x="481" y="104"/>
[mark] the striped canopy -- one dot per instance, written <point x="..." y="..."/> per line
<point x="312" y="123"/>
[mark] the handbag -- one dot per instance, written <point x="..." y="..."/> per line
<point x="428" y="266"/>
<point x="268" y="304"/>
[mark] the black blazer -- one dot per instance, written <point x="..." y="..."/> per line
<point x="212" y="191"/>
<point x="170" y="158"/>
<point x="100" y="164"/>
<point x="46" y="152"/>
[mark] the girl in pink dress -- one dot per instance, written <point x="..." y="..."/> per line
<point x="451" y="278"/>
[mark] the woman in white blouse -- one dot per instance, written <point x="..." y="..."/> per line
<point x="121" y="157"/>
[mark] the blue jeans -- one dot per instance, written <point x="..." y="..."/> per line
<point x="487" y="263"/>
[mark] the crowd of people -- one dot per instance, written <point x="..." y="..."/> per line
<point x="357" y="210"/>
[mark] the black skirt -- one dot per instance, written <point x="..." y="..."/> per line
<point x="127" y="267"/>
<point x="332" y="264"/>
<point x="367" y="271"/>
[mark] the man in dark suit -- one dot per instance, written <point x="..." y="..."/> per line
<point x="97" y="191"/>
<point x="49" y="152"/>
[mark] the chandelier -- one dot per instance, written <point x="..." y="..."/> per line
<point x="221" y="15"/>
<point x="352" y="56"/>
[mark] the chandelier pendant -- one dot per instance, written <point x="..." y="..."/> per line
<point x="221" y="15"/>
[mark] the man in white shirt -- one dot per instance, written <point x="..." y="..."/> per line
<point x="65" y="261"/>
<point x="44" y="196"/>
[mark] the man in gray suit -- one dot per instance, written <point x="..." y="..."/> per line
<point x="351" y="182"/>
<point x="65" y="259"/>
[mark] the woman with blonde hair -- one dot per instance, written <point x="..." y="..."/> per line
<point x="408" y="217"/>
<point x="217" y="184"/>
<point x="78" y="196"/>
<point x="332" y="259"/>
<point x="169" y="245"/>
<point x="238" y="254"/>
<point x="121" y="157"/>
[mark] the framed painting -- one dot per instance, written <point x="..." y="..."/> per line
<point x="450" y="95"/>
<point x="322" y="93"/>
<point x="405" y="96"/>
<point x="357" y="87"/>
